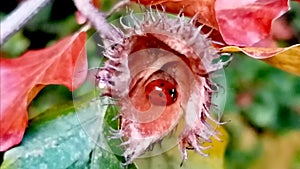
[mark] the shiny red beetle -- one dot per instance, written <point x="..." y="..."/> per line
<point x="161" y="92"/>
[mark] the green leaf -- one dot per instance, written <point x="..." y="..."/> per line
<point x="65" y="138"/>
<point x="15" y="46"/>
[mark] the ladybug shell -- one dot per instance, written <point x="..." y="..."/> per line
<point x="161" y="92"/>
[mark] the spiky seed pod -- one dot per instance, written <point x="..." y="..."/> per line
<point x="159" y="73"/>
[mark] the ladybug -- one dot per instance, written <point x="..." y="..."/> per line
<point x="161" y="92"/>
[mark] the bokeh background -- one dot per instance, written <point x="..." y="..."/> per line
<point x="262" y="106"/>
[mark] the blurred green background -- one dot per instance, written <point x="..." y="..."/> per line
<point x="262" y="106"/>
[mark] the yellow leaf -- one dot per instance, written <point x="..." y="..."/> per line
<point x="287" y="59"/>
<point x="172" y="158"/>
<point x="287" y="144"/>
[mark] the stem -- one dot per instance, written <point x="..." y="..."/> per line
<point x="98" y="20"/>
<point x="19" y="17"/>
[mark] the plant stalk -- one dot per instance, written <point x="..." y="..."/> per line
<point x="19" y="17"/>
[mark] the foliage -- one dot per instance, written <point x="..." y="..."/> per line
<point x="42" y="67"/>
<point x="262" y="107"/>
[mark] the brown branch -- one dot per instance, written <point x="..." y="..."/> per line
<point x="98" y="20"/>
<point x="19" y="17"/>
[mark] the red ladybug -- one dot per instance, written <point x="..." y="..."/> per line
<point x="161" y="92"/>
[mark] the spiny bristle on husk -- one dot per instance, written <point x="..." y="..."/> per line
<point x="179" y="36"/>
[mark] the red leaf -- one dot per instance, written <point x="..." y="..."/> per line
<point x="246" y="22"/>
<point x="22" y="78"/>
<point x="240" y="22"/>
<point x="203" y="8"/>
<point x="282" y="30"/>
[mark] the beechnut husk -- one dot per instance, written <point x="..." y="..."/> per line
<point x="158" y="74"/>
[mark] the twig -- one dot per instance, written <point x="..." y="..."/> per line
<point x="98" y="20"/>
<point x="19" y="17"/>
<point x="116" y="7"/>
